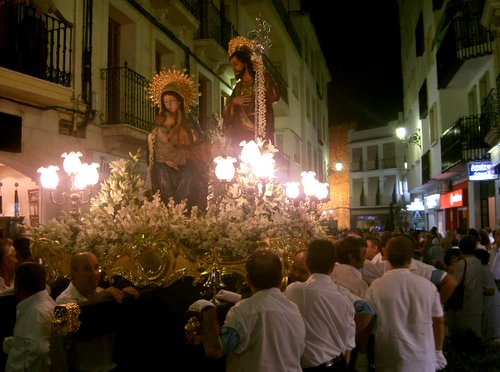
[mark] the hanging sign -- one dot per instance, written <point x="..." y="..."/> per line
<point x="481" y="171"/>
<point x="452" y="199"/>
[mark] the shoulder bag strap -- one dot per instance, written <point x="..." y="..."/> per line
<point x="465" y="269"/>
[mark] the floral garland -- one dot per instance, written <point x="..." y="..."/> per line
<point x="260" y="102"/>
<point x="262" y="42"/>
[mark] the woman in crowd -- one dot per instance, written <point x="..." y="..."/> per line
<point x="491" y="300"/>
<point x="470" y="269"/>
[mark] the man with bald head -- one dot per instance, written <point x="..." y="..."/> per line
<point x="299" y="271"/>
<point x="96" y="354"/>
<point x="85" y="277"/>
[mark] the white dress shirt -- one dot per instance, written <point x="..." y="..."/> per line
<point x="95" y="355"/>
<point x="29" y="346"/>
<point x="350" y="277"/>
<point x="271" y="333"/>
<point x="329" y="318"/>
<point x="405" y="304"/>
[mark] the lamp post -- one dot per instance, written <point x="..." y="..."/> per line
<point x="83" y="177"/>
<point x="413" y="138"/>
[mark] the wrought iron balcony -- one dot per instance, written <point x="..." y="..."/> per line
<point x="213" y="25"/>
<point x="490" y="110"/>
<point x="462" y="37"/>
<point x="126" y="99"/>
<point x="464" y="141"/>
<point x="35" y="46"/>
<point x="283" y="13"/>
<point x="491" y="113"/>
<point x="472" y="38"/>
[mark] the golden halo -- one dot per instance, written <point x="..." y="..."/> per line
<point x="175" y="81"/>
<point x="240" y="42"/>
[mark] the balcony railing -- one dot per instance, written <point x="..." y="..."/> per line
<point x="193" y="6"/>
<point x="283" y="13"/>
<point x="277" y="77"/>
<point x="388" y="163"/>
<point x="33" y="45"/>
<point x="464" y="141"/>
<point x="490" y="110"/>
<point x="462" y="37"/>
<point x="356" y="166"/>
<point x="126" y="99"/>
<point x="213" y="25"/>
<point x="472" y="38"/>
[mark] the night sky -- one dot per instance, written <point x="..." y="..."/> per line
<point x="361" y="42"/>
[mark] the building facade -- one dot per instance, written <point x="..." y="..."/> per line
<point x="81" y="86"/>
<point x="450" y="69"/>
<point x="377" y="183"/>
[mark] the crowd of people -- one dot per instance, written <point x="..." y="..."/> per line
<point x="34" y="344"/>
<point x="356" y="303"/>
<point x="372" y="302"/>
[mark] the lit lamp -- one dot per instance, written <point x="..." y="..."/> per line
<point x="339" y="165"/>
<point x="292" y="190"/>
<point x="83" y="177"/>
<point x="255" y="166"/>
<point x="312" y="189"/>
<point x="414" y="138"/>
<point x="224" y="168"/>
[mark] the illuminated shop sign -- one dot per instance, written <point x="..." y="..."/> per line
<point x="432" y="201"/>
<point x="416" y="205"/>
<point x="483" y="170"/>
<point x="452" y="199"/>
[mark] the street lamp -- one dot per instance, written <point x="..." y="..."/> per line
<point x="83" y="177"/>
<point x="337" y="167"/>
<point x="414" y="138"/>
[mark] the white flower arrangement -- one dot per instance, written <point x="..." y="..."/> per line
<point x="122" y="218"/>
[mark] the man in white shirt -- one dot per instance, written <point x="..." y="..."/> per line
<point x="29" y="347"/>
<point x="328" y="314"/>
<point x="350" y="259"/>
<point x="409" y="331"/>
<point x="445" y="283"/>
<point x="264" y="332"/>
<point x="96" y="354"/>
